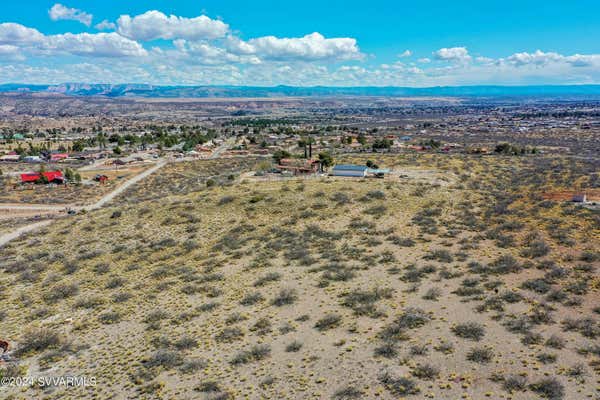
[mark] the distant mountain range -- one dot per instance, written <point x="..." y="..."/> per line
<point x="141" y="90"/>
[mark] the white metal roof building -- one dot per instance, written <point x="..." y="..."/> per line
<point x="349" y="170"/>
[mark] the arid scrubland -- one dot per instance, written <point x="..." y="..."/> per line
<point x="469" y="285"/>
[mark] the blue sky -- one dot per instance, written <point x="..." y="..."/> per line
<point x="334" y="42"/>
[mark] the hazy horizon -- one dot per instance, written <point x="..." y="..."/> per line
<point x="334" y="44"/>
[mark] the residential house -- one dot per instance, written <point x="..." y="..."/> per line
<point x="51" y="177"/>
<point x="299" y="166"/>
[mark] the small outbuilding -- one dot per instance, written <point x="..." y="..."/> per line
<point x="33" y="159"/>
<point x="101" y="178"/>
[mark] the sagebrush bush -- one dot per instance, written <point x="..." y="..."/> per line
<point x="36" y="340"/>
<point x="347" y="393"/>
<point x="329" y="321"/>
<point x="426" y="372"/>
<point x="469" y="330"/>
<point x="285" y="297"/>
<point x="293" y="346"/>
<point x="60" y="292"/>
<point x="229" y="335"/>
<point x="398" y="385"/>
<point x="549" y="388"/>
<point x="165" y="358"/>
<point x="515" y="383"/>
<point x="251" y="299"/>
<point x="482" y="355"/>
<point x="255" y="353"/>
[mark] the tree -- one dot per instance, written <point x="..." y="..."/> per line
<point x="101" y="139"/>
<point x="371" y="164"/>
<point x="43" y="178"/>
<point x="432" y="143"/>
<point x="69" y="175"/>
<point x="302" y="143"/>
<point x="279" y="155"/>
<point x="117" y="150"/>
<point x="326" y="159"/>
<point x="78" y="146"/>
<point x="382" y="144"/>
<point x="305" y="143"/>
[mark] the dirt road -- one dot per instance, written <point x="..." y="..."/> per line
<point x="217" y="153"/>
<point x="4" y="239"/>
<point x="32" y="207"/>
<point x="110" y="196"/>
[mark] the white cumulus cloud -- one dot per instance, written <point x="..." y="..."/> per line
<point x="99" y="45"/>
<point x="105" y="25"/>
<point x="59" y="12"/>
<point x="453" y="54"/>
<point x="307" y="48"/>
<point x="10" y="53"/>
<point x="238" y="46"/>
<point x="538" y="58"/>
<point x="206" y="53"/>
<point x="154" y="25"/>
<point x="84" y="44"/>
<point x="17" y="34"/>
<point x="542" y="59"/>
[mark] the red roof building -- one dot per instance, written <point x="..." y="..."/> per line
<point x="51" y="176"/>
<point x="101" y="178"/>
<point x="58" y="156"/>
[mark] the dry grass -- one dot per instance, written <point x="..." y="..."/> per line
<point x="278" y="292"/>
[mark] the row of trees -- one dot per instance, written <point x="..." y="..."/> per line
<point x="511" y="149"/>
<point x="325" y="157"/>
